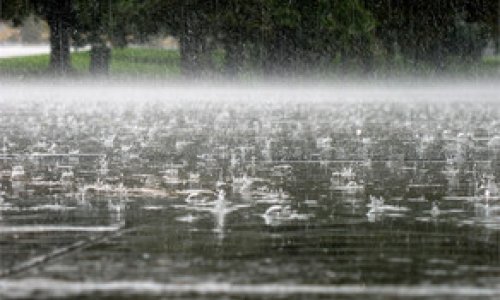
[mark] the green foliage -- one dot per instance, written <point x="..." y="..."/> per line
<point x="434" y="32"/>
<point x="14" y="10"/>
<point x="115" y="21"/>
<point x="293" y="36"/>
<point x="279" y="36"/>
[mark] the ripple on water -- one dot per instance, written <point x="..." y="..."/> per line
<point x="47" y="288"/>
<point x="187" y="218"/>
<point x="45" y="207"/>
<point x="440" y="261"/>
<point x="153" y="207"/>
<point x="399" y="260"/>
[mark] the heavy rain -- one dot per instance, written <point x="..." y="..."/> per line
<point x="256" y="149"/>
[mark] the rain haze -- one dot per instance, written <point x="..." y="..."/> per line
<point x="257" y="149"/>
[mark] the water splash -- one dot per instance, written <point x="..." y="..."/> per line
<point x="57" y="228"/>
<point x="220" y="212"/>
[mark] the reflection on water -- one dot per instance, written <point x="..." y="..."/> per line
<point x="335" y="246"/>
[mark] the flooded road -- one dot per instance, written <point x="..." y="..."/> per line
<point x="301" y="193"/>
<point x="165" y="246"/>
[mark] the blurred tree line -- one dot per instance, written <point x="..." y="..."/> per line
<point x="272" y="36"/>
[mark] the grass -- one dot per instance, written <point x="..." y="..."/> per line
<point x="145" y="62"/>
<point x="160" y="63"/>
<point x="491" y="63"/>
<point x="133" y="62"/>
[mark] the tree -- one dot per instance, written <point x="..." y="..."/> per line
<point x="93" y="26"/>
<point x="193" y="29"/>
<point x="14" y="10"/>
<point x="489" y="13"/>
<point x="113" y="23"/>
<point x="188" y="20"/>
<point x="94" y="22"/>
<point x="275" y="36"/>
<point x="432" y="32"/>
<point x="292" y="36"/>
<point x="237" y="31"/>
<point x="60" y="17"/>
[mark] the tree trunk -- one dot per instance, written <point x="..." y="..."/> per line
<point x="188" y="55"/>
<point x="195" y="46"/>
<point x="190" y="42"/>
<point x="60" y="27"/>
<point x="271" y="57"/>
<point x="497" y="31"/>
<point x="100" y="56"/>
<point x="233" y="55"/>
<point x="495" y="26"/>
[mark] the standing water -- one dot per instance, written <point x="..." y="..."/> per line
<point x="250" y="192"/>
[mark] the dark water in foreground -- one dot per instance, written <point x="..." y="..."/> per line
<point x="156" y="248"/>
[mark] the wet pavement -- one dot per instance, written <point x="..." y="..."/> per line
<point x="313" y="245"/>
<point x="157" y="247"/>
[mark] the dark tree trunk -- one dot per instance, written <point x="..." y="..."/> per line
<point x="196" y="45"/>
<point x="497" y="30"/>
<point x="191" y="42"/>
<point x="271" y="61"/>
<point x="59" y="22"/>
<point x="233" y="55"/>
<point x="270" y="65"/>
<point x="100" y="57"/>
<point x="280" y="53"/>
<point x="100" y="53"/>
<point x="188" y="55"/>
